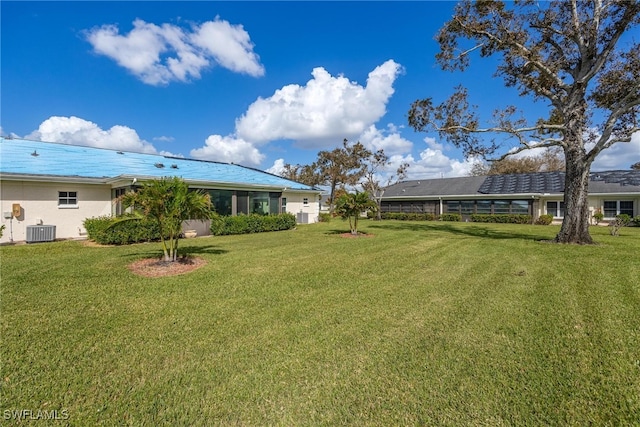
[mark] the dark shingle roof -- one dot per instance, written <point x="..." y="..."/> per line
<point x="541" y="182"/>
<point x="468" y="185"/>
<point x="621" y="181"/>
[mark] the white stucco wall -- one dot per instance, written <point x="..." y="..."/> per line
<point x="596" y="202"/>
<point x="295" y="205"/>
<point x="39" y="203"/>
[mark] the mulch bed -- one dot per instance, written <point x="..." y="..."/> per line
<point x="154" y="267"/>
<point x="352" y="236"/>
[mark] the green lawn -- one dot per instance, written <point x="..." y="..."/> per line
<point x="423" y="324"/>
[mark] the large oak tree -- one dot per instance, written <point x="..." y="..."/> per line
<point x="568" y="53"/>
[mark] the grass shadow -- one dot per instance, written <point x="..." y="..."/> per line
<point x="182" y="251"/>
<point x="487" y="232"/>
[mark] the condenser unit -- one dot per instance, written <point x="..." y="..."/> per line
<point x="41" y="233"/>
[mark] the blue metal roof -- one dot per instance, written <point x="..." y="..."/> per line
<point x="37" y="158"/>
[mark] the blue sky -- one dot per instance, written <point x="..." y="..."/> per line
<point x="254" y="83"/>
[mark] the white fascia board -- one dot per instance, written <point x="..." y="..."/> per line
<point x="52" y="178"/>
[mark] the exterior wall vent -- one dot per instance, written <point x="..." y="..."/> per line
<point x="41" y="233"/>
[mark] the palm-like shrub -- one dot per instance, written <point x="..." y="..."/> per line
<point x="351" y="205"/>
<point x="168" y="202"/>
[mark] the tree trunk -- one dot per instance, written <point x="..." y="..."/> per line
<point x="575" y="225"/>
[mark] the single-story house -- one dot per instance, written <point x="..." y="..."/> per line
<point x="610" y="192"/>
<point x="44" y="184"/>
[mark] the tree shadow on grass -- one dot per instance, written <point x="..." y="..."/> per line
<point x="182" y="251"/>
<point x="487" y="232"/>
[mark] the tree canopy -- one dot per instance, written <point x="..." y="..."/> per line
<point x="550" y="160"/>
<point x="567" y="53"/>
<point x="339" y="168"/>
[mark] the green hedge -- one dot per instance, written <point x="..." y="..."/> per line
<point x="544" y="219"/>
<point x="254" y="223"/>
<point x="502" y="218"/>
<point x="123" y="232"/>
<point x="325" y="217"/>
<point x="402" y="216"/>
<point x="451" y="217"/>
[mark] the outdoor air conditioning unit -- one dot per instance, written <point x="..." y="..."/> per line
<point x="41" y="233"/>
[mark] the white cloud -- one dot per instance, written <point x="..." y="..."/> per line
<point x="619" y="156"/>
<point x="434" y="163"/>
<point x="230" y="45"/>
<point x="158" y="55"/>
<point x="277" y="168"/>
<point x="388" y="140"/>
<point x="228" y="149"/>
<point x="77" y="131"/>
<point x="327" y="108"/>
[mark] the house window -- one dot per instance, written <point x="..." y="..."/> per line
<point x="67" y="198"/>
<point x="617" y="207"/>
<point x="501" y="207"/>
<point x="483" y="206"/>
<point x="221" y="201"/>
<point x="452" y="206"/>
<point x="467" y="207"/>
<point x="117" y="200"/>
<point x="305" y="201"/>
<point x="284" y="205"/>
<point x="555" y="208"/>
<point x="520" y="207"/>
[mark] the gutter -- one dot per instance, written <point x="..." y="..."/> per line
<point x="52" y="178"/>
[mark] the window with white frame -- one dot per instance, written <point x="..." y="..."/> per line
<point x="305" y="201"/>
<point x="555" y="208"/>
<point x="67" y="198"/>
<point x="617" y="207"/>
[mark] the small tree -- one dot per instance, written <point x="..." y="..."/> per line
<point x="351" y="205"/>
<point x="372" y="183"/>
<point x="618" y="222"/>
<point x="169" y="203"/>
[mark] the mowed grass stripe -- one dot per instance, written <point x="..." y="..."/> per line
<point x="431" y="323"/>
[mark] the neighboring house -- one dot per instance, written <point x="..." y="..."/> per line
<point x="43" y="183"/>
<point x="610" y="192"/>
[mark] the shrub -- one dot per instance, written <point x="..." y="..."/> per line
<point x="109" y="230"/>
<point x="502" y="218"/>
<point x="451" y="217"/>
<point x="598" y="216"/>
<point x="326" y="217"/>
<point x="620" y="221"/>
<point x="403" y="216"/>
<point x="544" y="219"/>
<point x="253" y="223"/>
<point x="636" y="221"/>
<point x="2" y="229"/>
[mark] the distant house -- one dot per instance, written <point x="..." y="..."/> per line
<point x="610" y="192"/>
<point x="52" y="184"/>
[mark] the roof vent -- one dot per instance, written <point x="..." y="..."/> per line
<point x="35" y="153"/>
<point x="174" y="166"/>
<point x="159" y="165"/>
<point x="119" y="152"/>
